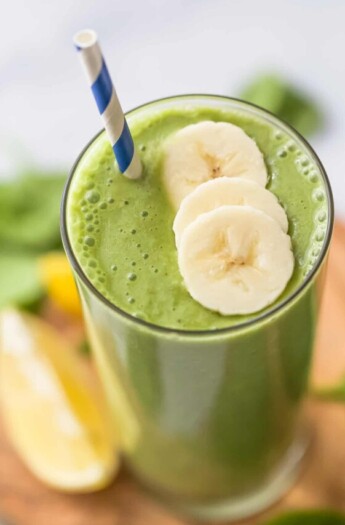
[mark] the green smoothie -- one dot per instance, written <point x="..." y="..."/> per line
<point x="208" y="406"/>
<point x="121" y="230"/>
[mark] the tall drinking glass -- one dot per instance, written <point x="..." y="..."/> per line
<point x="210" y="420"/>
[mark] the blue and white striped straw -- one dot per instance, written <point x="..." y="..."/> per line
<point x="91" y="57"/>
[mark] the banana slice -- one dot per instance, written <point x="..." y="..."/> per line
<point x="208" y="150"/>
<point x="235" y="260"/>
<point x="227" y="191"/>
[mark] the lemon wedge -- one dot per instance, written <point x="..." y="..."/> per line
<point x="53" y="413"/>
<point x="57" y="278"/>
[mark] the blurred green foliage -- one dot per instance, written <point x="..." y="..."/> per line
<point x="273" y="93"/>
<point x="84" y="348"/>
<point x="29" y="226"/>
<point x="333" y="393"/>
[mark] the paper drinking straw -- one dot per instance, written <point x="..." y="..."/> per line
<point x="89" y="51"/>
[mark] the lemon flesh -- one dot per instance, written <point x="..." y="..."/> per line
<point x="57" y="279"/>
<point x="53" y="414"/>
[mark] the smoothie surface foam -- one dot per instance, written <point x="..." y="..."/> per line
<point x="121" y="230"/>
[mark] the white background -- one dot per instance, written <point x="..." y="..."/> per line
<point x="158" y="48"/>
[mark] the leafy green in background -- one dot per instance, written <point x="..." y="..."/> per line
<point x="29" y="226"/>
<point x="29" y="213"/>
<point x="333" y="393"/>
<point x="19" y="280"/>
<point x="275" y="94"/>
<point x="84" y="348"/>
<point x="308" y="517"/>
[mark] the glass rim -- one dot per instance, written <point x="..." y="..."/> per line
<point x="208" y="332"/>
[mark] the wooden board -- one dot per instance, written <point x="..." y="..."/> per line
<point x="25" y="501"/>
